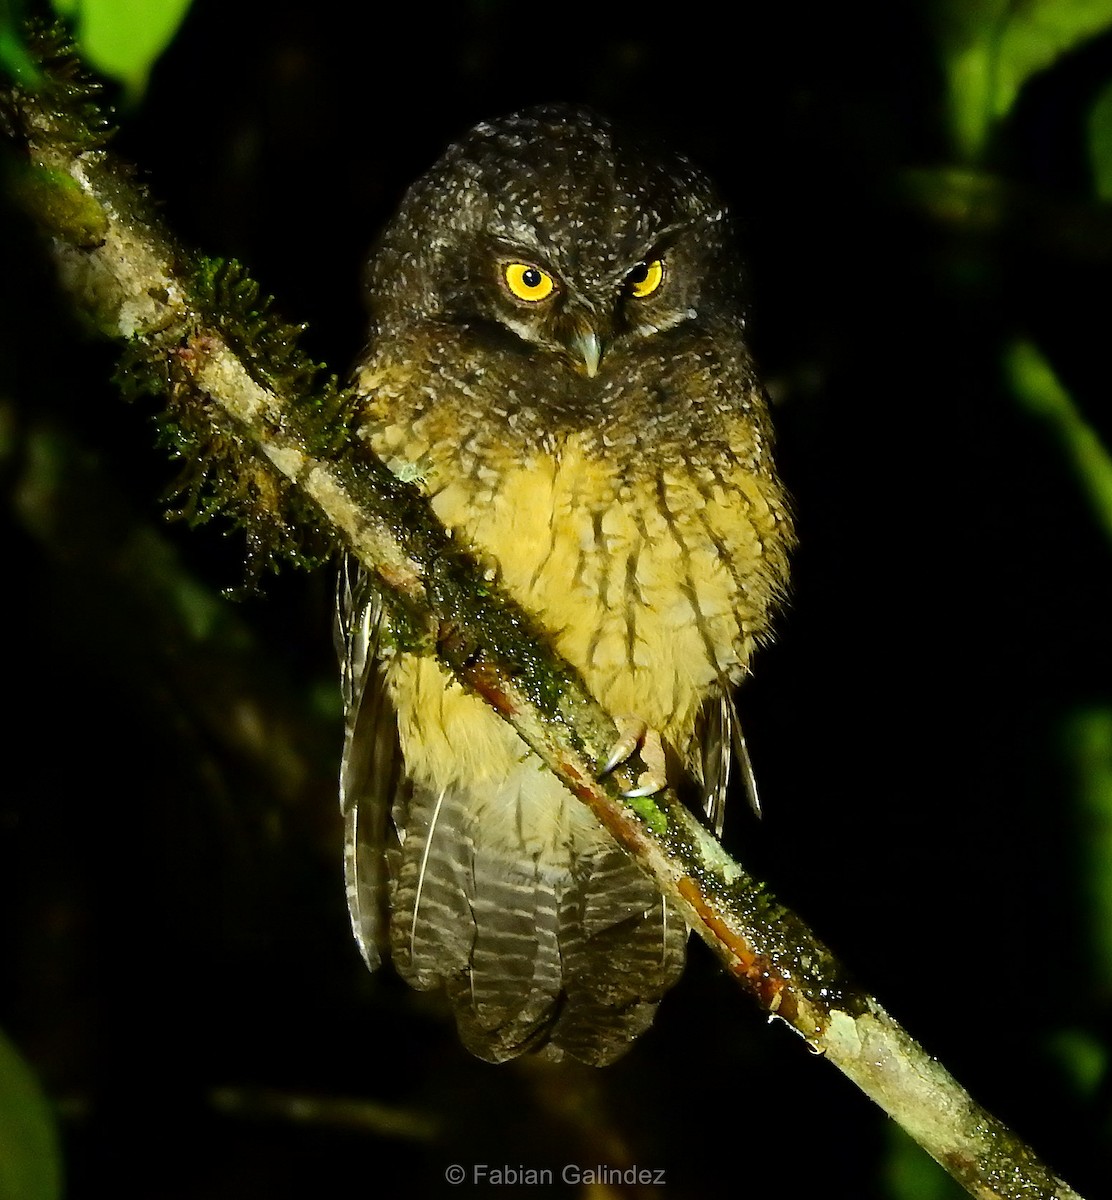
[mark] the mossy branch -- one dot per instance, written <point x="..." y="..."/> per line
<point x="267" y="435"/>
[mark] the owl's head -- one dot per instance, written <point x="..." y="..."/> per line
<point x="553" y="230"/>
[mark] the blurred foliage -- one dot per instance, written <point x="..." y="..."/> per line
<point x="1088" y="743"/>
<point x="990" y="48"/>
<point x="122" y="39"/>
<point x="922" y="191"/>
<point x="1100" y="143"/>
<point x="911" y="1175"/>
<point x="13" y="53"/>
<point x="1035" y="385"/>
<point x="30" y="1165"/>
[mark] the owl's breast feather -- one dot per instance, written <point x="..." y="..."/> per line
<point x="654" y="584"/>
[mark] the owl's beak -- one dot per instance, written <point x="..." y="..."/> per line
<point x="589" y="348"/>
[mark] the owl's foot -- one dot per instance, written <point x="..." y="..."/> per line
<point x="634" y="734"/>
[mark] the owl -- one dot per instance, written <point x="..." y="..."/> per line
<point x="557" y="359"/>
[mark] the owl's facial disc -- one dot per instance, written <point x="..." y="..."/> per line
<point x="546" y="311"/>
<point x="542" y="313"/>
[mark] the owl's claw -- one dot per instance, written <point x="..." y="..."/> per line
<point x="634" y="734"/>
<point x="631" y="731"/>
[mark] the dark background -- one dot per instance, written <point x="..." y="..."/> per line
<point x="175" y="939"/>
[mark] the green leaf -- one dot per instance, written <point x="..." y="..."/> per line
<point x="911" y="1174"/>
<point x="968" y="34"/>
<point x="14" y="58"/>
<point x="990" y="48"/>
<point x="1039" y="32"/>
<point x="1100" y="143"/>
<point x="30" y="1163"/>
<point x="1037" y="387"/>
<point x="1083" y="1057"/>
<point x="123" y="38"/>
<point x="1087" y="738"/>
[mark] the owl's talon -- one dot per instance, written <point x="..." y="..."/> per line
<point x="631" y="733"/>
<point x="648" y="789"/>
<point x="634" y="734"/>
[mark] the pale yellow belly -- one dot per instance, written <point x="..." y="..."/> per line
<point x="635" y="589"/>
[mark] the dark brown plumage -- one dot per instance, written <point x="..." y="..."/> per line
<point x="557" y="356"/>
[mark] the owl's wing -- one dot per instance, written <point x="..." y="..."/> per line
<point x="721" y="745"/>
<point x="370" y="769"/>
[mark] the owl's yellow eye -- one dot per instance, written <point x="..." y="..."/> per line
<point x="646" y="278"/>
<point x="528" y="283"/>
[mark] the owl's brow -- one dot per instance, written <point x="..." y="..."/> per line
<point x="542" y="252"/>
<point x="529" y="248"/>
<point x="655" y="245"/>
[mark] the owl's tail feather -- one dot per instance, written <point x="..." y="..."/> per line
<point x="622" y="948"/>
<point x="572" y="956"/>
<point x="507" y="1001"/>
